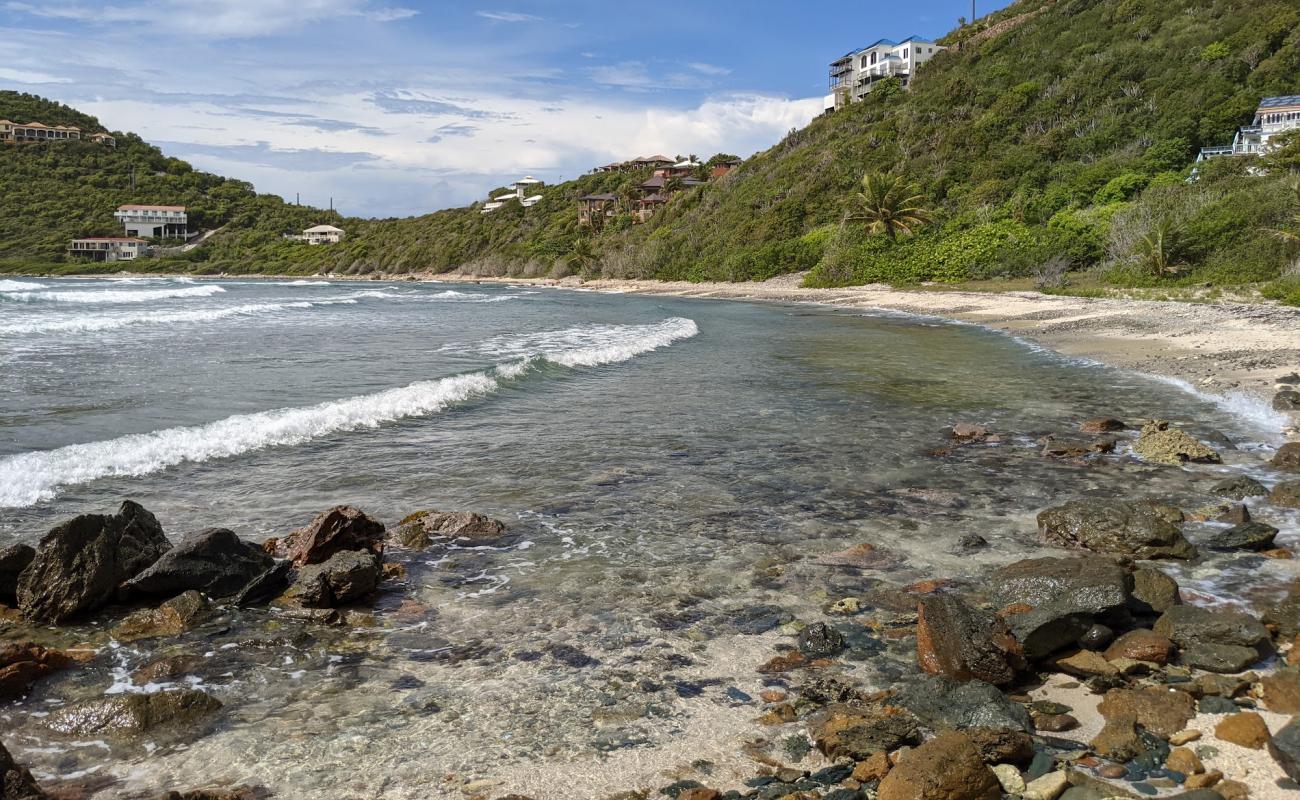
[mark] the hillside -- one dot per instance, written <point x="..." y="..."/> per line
<point x="1055" y="133"/>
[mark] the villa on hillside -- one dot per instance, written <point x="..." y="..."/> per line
<point x="518" y="191"/>
<point x="723" y="168"/>
<point x="14" y="133"/>
<point x="108" y="248"/>
<point x="153" y="221"/>
<point x="856" y="73"/>
<point x="593" y="207"/>
<point x="1274" y="117"/>
<point x="640" y="162"/>
<point x="319" y="234"/>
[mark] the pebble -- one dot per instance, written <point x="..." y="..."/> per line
<point x="1112" y="771"/>
<point x="1048" y="787"/>
<point x="1142" y="787"/>
<point x="1009" y="777"/>
<point x="1183" y="737"/>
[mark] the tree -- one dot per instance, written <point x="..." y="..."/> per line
<point x="1291" y="238"/>
<point x="581" y="257"/>
<point x="1158" y="248"/>
<point x="1284" y="153"/>
<point x="673" y="185"/>
<point x="888" y="204"/>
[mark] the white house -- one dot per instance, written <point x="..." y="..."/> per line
<point x="153" y="221"/>
<point x="108" y="248"/>
<point x="518" y="191"/>
<point x="856" y="73"/>
<point x="1275" y="116"/>
<point x="321" y="234"/>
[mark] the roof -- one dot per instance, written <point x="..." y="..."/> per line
<point x="688" y="163"/>
<point x="656" y="182"/>
<point x="654" y="198"/>
<point x="599" y="197"/>
<point x="647" y="159"/>
<point x="527" y="180"/>
<point x="323" y="229"/>
<point x="1281" y="101"/>
<point x="884" y="42"/>
<point x="112" y="239"/>
<point x="151" y="208"/>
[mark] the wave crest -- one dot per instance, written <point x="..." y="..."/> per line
<point x="112" y="295"/>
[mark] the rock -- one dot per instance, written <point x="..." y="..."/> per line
<point x="22" y="664"/>
<point x="1002" y="745"/>
<point x="1098" y="637"/>
<point x="1065" y="447"/>
<point x="1239" y="487"/>
<point x="1141" y="645"/>
<point x="841" y="731"/>
<point x="267" y="586"/>
<point x="13" y="560"/>
<point x="970" y="542"/>
<point x="346" y="576"/>
<point x="1154" y="592"/>
<point x="421" y="529"/>
<point x="1085" y="664"/>
<point x="948" y="767"/>
<point x="79" y="564"/>
<point x="1285" y="748"/>
<point x="1047" y="787"/>
<point x="1163" y="444"/>
<point x="1185" y="761"/>
<point x="1232" y="790"/>
<point x="1247" y="536"/>
<point x="1286" y="494"/>
<point x="1287" y="400"/>
<point x="860" y="556"/>
<point x="1245" y="728"/>
<point x="1285" y="616"/>
<point x="965" y="643"/>
<point x="1162" y="711"/>
<point x="1184" y="736"/>
<point x="820" y="640"/>
<point x="968" y="432"/>
<point x="1282" y="691"/>
<point x="338" y="529"/>
<point x="1055" y="723"/>
<point x="240" y="793"/>
<point x="1118" y="740"/>
<point x="166" y="669"/>
<point x="172" y="618"/>
<point x="132" y="713"/>
<point x="1114" y="526"/>
<point x="214" y="561"/>
<point x="1009" y="777"/>
<point x="1102" y="425"/>
<point x="1204" y="781"/>
<point x="1215" y="641"/>
<point x="16" y="783"/>
<point x="944" y="704"/>
<point x="874" y="768"/>
<point x="1059" y="599"/>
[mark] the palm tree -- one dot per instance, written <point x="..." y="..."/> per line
<point x="673" y="185"/>
<point x="1158" y="248"/>
<point x="582" y="257"/>
<point x="888" y="204"/>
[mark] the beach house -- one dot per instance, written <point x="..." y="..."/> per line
<point x="321" y="234"/>
<point x="1274" y="117"/>
<point x="854" y="74"/>
<point x="519" y="190"/>
<point x="108" y="248"/>
<point x="150" y="222"/>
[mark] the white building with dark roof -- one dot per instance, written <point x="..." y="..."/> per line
<point x="854" y="74"/>
<point x="1274" y="117"/>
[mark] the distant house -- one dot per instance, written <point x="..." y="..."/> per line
<point x="108" y="248"/>
<point x="722" y="168"/>
<point x="518" y="191"/>
<point x="680" y="169"/>
<point x="854" y="74"/>
<point x="104" y="139"/>
<point x="649" y="204"/>
<point x="36" y="132"/>
<point x="594" y="208"/>
<point x="164" y="222"/>
<point x="651" y="162"/>
<point x="1274" y="117"/>
<point x="321" y="234"/>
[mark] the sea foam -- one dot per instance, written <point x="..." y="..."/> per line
<point x="19" y="286"/>
<point x="92" y="323"/>
<point x="112" y="295"/>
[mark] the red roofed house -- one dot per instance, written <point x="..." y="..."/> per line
<point x="150" y="222"/>
<point x="108" y="248"/>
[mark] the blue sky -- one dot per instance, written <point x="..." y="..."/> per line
<point x="397" y="107"/>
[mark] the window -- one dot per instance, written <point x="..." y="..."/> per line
<point x="904" y="53"/>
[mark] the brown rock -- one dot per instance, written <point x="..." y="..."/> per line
<point x="1185" y="761"/>
<point x="1164" y="444"/>
<point x="964" y="643"/>
<point x="1141" y="645"/>
<point x="1287" y="457"/>
<point x="1086" y="664"/>
<point x="1101" y="425"/>
<point x="1055" y="723"/>
<point x="1246" y="729"/>
<point x="1282" y="691"/>
<point x="172" y="618"/>
<point x="1118" y="740"/>
<point x="22" y="664"/>
<point x="422" y="528"/>
<point x="779" y="715"/>
<point x="784" y="663"/>
<point x="1154" y="592"/>
<point x="1002" y="745"/>
<point x="166" y="669"/>
<point x="333" y="531"/>
<point x="874" y="768"/>
<point x="1232" y="790"/>
<point x="699" y="794"/>
<point x="861" y="556"/>
<point x="1203" y="781"/>
<point x="948" y="767"/>
<point x="1112" y="771"/>
<point x="772" y="696"/>
<point x="1286" y="494"/>
<point x="1159" y="710"/>
<point x="842" y="731"/>
<point x="968" y="432"/>
<point x="16" y="783"/>
<point x="133" y="713"/>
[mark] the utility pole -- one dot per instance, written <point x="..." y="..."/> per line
<point x="297" y="199"/>
<point x="972" y="12"/>
<point x="331" y="204"/>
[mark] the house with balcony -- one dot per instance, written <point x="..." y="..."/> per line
<point x="1274" y="117"/>
<point x="108" y="248"/>
<point x="153" y="222"/>
<point x="519" y="190"/>
<point x="13" y="132"/>
<point x="320" y="234"/>
<point x="854" y="74"/>
<point x="104" y="139"/>
<point x="594" y="209"/>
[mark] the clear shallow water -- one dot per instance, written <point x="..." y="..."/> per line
<point x="665" y="466"/>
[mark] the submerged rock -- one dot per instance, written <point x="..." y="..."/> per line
<point x="80" y="564"/>
<point x="1286" y="494"/>
<point x="1102" y="425"/>
<point x="1287" y="457"/>
<point x="1051" y="602"/>
<point x="347" y="576"/>
<point x="225" y="793"/>
<point x="944" y="704"/>
<point x="844" y="731"/>
<point x="13" y="560"/>
<point x="947" y="767"/>
<point x="1164" y="444"/>
<point x="214" y="561"/>
<point x="22" y="664"/>
<point x="132" y="713"/>
<point x="1141" y="530"/>
<point x="1215" y="641"/>
<point x="333" y="531"/>
<point x="960" y="641"/>
<point x="421" y="529"/>
<point x="16" y="783"/>
<point x="820" y="640"/>
<point x="172" y="618"/>
<point x="1239" y="487"/>
<point x="1287" y="400"/>
<point x="1249" y="535"/>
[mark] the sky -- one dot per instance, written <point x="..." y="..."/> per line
<point x="401" y="107"/>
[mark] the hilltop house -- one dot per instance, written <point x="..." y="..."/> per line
<point x="104" y="139"/>
<point x="108" y="248"/>
<point x="855" y="74"/>
<point x="153" y="221"/>
<point x="1275" y="116"/>
<point x="14" y="133"/>
<point x="320" y="234"/>
<point x="593" y="207"/>
<point x="518" y="191"/>
<point x="640" y="162"/>
<point x="723" y="168"/>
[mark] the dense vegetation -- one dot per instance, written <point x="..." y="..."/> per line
<point x="1055" y="135"/>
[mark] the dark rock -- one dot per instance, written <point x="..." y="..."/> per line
<point x="1239" y="487"/>
<point x="267" y="586"/>
<point x="820" y="640"/>
<point x="421" y="529"/>
<point x="1102" y="425"/>
<point x="214" y="561"/>
<point x="1114" y="526"/>
<point x="166" y="669"/>
<point x="80" y="564"/>
<point x="1118" y="740"/>
<point x="22" y="664"/>
<point x="1287" y="400"/>
<point x="962" y="642"/>
<point x="241" y="793"/>
<point x="172" y="618"/>
<point x="829" y="776"/>
<point x="1217" y="705"/>
<point x="1215" y="641"/>
<point x="970" y="542"/>
<point x="1164" y="444"/>
<point x="947" y="767"/>
<point x="1287" y="457"/>
<point x="1247" y="536"/>
<point x="336" y="530"/>
<point x="13" y="560"/>
<point x="1159" y="710"/>
<point x="1154" y="592"/>
<point x="16" y="783"/>
<point x="1056" y="723"/>
<point x="842" y="731"/>
<point x="1285" y="748"/>
<point x="758" y="619"/>
<point x="1066" y="447"/>
<point x="1056" y="600"/>
<point x="346" y="576"/>
<point x="944" y="704"/>
<point x="132" y="713"/>
<point x="1286" y="494"/>
<point x="1098" y="637"/>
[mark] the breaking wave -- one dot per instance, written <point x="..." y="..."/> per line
<point x="91" y="323"/>
<point x="588" y="345"/>
<point x="112" y="295"/>
<point x="33" y="477"/>
<point x="19" y="286"/>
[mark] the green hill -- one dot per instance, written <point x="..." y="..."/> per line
<point x="1054" y="133"/>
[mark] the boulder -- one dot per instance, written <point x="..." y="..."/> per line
<point x="948" y="767"/>
<point x="1002" y="745"/>
<point x="1247" y="536"/>
<point x="423" y="528"/>
<point x="1287" y="400"/>
<point x="843" y="731"/>
<point x="1246" y="729"/>
<point x="1057" y="600"/>
<point x="1162" y="443"/>
<point x="1286" y="494"/>
<point x="13" y="560"/>
<point x="1162" y="711"/>
<point x="944" y="704"/>
<point x="16" y="783"/>
<point x="333" y="531"/>
<point x="1154" y="592"/>
<point x="267" y="586"/>
<point x="22" y="664"/>
<point x="346" y="577"/>
<point x="1239" y="487"/>
<point x="1067" y="447"/>
<point x="1282" y="691"/>
<point x="965" y="643"/>
<point x="1140" y="530"/>
<point x="1285" y="748"/>
<point x="214" y="561"/>
<point x="80" y="564"/>
<point x="1287" y="457"/>
<point x="166" y="669"/>
<point x="172" y="618"/>
<point x="1141" y="645"/>
<point x="132" y="713"/>
<point x="1102" y="425"/>
<point x="1215" y="641"/>
<point x="1118" y="740"/>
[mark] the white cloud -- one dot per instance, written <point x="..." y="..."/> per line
<point x="213" y="18"/>
<point x="30" y="76"/>
<point x="507" y="16"/>
<point x="709" y="69"/>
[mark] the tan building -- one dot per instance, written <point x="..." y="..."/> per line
<point x="36" y="132"/>
<point x="321" y="234"/>
<point x="108" y="248"/>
